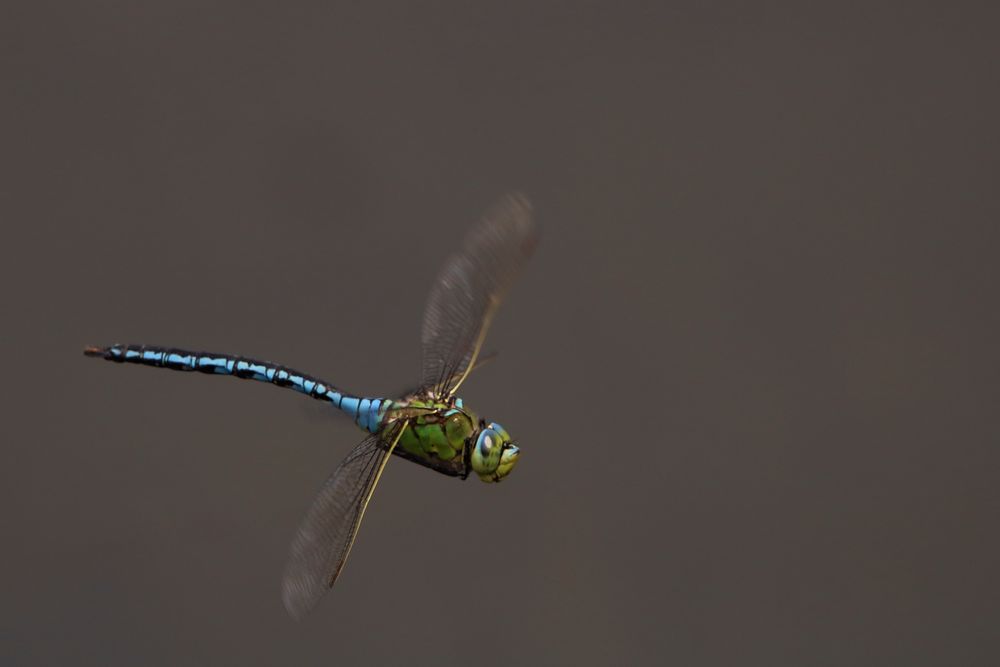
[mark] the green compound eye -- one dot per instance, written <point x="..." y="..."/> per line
<point x="485" y="444"/>
<point x="493" y="456"/>
<point x="486" y="454"/>
<point x="500" y="430"/>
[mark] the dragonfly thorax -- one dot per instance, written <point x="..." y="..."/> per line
<point x="493" y="454"/>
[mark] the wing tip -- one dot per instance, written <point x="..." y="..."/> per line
<point x="516" y="206"/>
<point x="298" y="603"/>
<point x="515" y="211"/>
<point x="519" y="200"/>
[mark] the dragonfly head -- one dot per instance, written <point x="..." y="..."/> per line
<point x="493" y="455"/>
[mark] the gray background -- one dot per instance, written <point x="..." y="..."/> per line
<point x="753" y="365"/>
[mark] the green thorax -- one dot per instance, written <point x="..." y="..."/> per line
<point x="438" y="433"/>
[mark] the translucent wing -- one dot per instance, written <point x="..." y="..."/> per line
<point x="324" y="538"/>
<point x="469" y="290"/>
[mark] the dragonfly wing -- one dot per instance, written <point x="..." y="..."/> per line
<point x="324" y="538"/>
<point x="469" y="289"/>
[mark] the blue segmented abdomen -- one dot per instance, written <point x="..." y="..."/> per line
<point x="366" y="412"/>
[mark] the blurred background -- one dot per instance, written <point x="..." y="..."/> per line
<point x="753" y="366"/>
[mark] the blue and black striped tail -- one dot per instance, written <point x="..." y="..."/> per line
<point x="366" y="412"/>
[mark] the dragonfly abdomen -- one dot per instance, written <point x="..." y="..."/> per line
<point x="366" y="412"/>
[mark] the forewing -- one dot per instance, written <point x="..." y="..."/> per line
<point x="325" y="536"/>
<point x="469" y="289"/>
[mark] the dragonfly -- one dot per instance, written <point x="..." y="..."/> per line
<point x="431" y="426"/>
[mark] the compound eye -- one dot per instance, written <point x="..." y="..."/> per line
<point x="487" y="440"/>
<point x="499" y="430"/>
